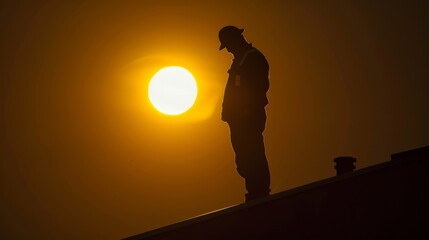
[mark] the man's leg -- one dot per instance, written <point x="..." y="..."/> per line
<point x="248" y="143"/>
<point x="258" y="177"/>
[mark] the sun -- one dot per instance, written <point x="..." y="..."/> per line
<point x="172" y="90"/>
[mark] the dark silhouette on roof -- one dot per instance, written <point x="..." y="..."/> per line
<point x="344" y="164"/>
<point x="243" y="109"/>
<point x="384" y="201"/>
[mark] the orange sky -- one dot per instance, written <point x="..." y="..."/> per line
<point x="85" y="156"/>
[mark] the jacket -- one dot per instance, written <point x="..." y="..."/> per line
<point x="247" y="85"/>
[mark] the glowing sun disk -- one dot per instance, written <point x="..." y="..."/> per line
<point x="172" y="90"/>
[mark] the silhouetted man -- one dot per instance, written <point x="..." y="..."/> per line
<point x="243" y="108"/>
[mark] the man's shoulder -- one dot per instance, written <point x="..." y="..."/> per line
<point x="255" y="55"/>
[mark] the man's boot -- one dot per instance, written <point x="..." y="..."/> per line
<point x="253" y="196"/>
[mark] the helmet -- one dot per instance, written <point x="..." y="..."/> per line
<point x="228" y="32"/>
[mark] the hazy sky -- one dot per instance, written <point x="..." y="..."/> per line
<point x="85" y="156"/>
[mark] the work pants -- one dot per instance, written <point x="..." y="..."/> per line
<point x="248" y="144"/>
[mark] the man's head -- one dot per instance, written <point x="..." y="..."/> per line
<point x="231" y="38"/>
